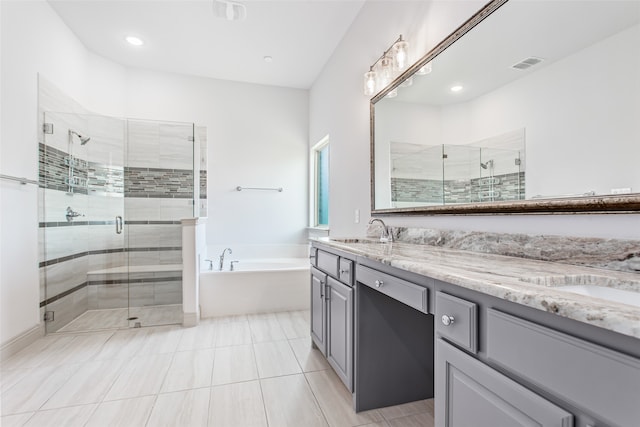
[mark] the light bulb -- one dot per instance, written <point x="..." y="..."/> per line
<point x="393" y="93"/>
<point x="401" y="54"/>
<point x="370" y="83"/>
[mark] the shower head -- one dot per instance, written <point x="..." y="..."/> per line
<point x="83" y="139"/>
<point x="488" y="163"/>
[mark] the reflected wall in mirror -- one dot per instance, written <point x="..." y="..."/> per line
<point x="562" y="75"/>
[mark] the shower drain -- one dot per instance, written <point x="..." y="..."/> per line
<point x="132" y="318"/>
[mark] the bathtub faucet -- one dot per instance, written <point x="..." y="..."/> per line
<point x="220" y="264"/>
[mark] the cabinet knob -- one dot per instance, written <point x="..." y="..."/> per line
<point x="379" y="283"/>
<point x="447" y="320"/>
<point x="344" y="271"/>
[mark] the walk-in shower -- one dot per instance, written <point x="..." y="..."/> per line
<point x="110" y="218"/>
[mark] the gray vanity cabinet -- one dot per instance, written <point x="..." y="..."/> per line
<point x="318" y="309"/>
<point x="332" y="312"/>
<point x="340" y="329"/>
<point x="477" y="395"/>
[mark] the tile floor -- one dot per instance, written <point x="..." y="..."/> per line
<point x="255" y="370"/>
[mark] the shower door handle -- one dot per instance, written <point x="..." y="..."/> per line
<point x="118" y="224"/>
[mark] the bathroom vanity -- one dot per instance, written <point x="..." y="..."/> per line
<point x="494" y="339"/>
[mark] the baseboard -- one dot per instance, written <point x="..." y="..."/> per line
<point x="21" y="341"/>
<point x="190" y="319"/>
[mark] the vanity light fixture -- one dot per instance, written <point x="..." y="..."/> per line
<point x="133" y="40"/>
<point x="387" y="67"/>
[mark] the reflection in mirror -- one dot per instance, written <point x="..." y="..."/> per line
<point x="427" y="175"/>
<point x="564" y="75"/>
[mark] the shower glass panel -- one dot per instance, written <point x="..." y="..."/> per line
<point x="113" y="192"/>
<point x="159" y="192"/>
<point x="460" y="170"/>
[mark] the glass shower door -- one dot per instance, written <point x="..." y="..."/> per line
<point x="84" y="271"/>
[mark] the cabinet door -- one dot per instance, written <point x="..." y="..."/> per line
<point x="318" y="319"/>
<point x="340" y="330"/>
<point x="473" y="394"/>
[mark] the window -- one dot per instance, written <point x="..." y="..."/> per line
<point x="320" y="183"/>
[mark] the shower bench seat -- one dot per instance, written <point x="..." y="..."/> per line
<point x="135" y="285"/>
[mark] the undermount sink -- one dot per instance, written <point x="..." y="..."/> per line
<point x="603" y="287"/>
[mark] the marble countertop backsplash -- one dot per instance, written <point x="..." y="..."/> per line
<point x="610" y="254"/>
<point x="523" y="269"/>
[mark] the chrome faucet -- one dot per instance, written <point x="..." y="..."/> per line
<point x="385" y="236"/>
<point x="221" y="262"/>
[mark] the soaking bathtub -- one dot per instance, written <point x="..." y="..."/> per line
<point x="256" y="286"/>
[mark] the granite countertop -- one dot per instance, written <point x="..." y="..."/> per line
<point x="523" y="281"/>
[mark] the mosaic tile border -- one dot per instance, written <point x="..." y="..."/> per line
<point x="131" y="181"/>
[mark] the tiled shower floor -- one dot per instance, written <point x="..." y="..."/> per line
<point x="256" y="370"/>
<point x="116" y="318"/>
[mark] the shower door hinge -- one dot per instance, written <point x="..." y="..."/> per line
<point x="49" y="316"/>
<point x="47" y="128"/>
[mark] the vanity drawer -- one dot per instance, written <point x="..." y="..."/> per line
<point x="327" y="262"/>
<point x="313" y="253"/>
<point x="598" y="380"/>
<point x="457" y="321"/>
<point x="406" y="292"/>
<point x="346" y="271"/>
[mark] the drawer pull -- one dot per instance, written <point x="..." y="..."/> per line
<point x="447" y="320"/>
<point x="379" y="283"/>
<point x="344" y="271"/>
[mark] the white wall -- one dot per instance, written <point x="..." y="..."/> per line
<point x="338" y="108"/>
<point x="35" y="40"/>
<point x="257" y="137"/>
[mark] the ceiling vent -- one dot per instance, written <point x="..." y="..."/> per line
<point x="229" y="10"/>
<point x="527" y="63"/>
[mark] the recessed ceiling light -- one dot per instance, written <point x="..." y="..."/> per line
<point x="456" y="88"/>
<point x="133" y="40"/>
<point x="268" y="59"/>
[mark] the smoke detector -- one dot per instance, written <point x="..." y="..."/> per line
<point x="229" y="10"/>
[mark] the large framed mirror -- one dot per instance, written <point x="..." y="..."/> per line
<point x="530" y="106"/>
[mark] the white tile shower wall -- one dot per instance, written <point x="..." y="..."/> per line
<point x="143" y="209"/>
<point x="64" y="276"/>
<point x="160" y="144"/>
<point x="152" y="236"/>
